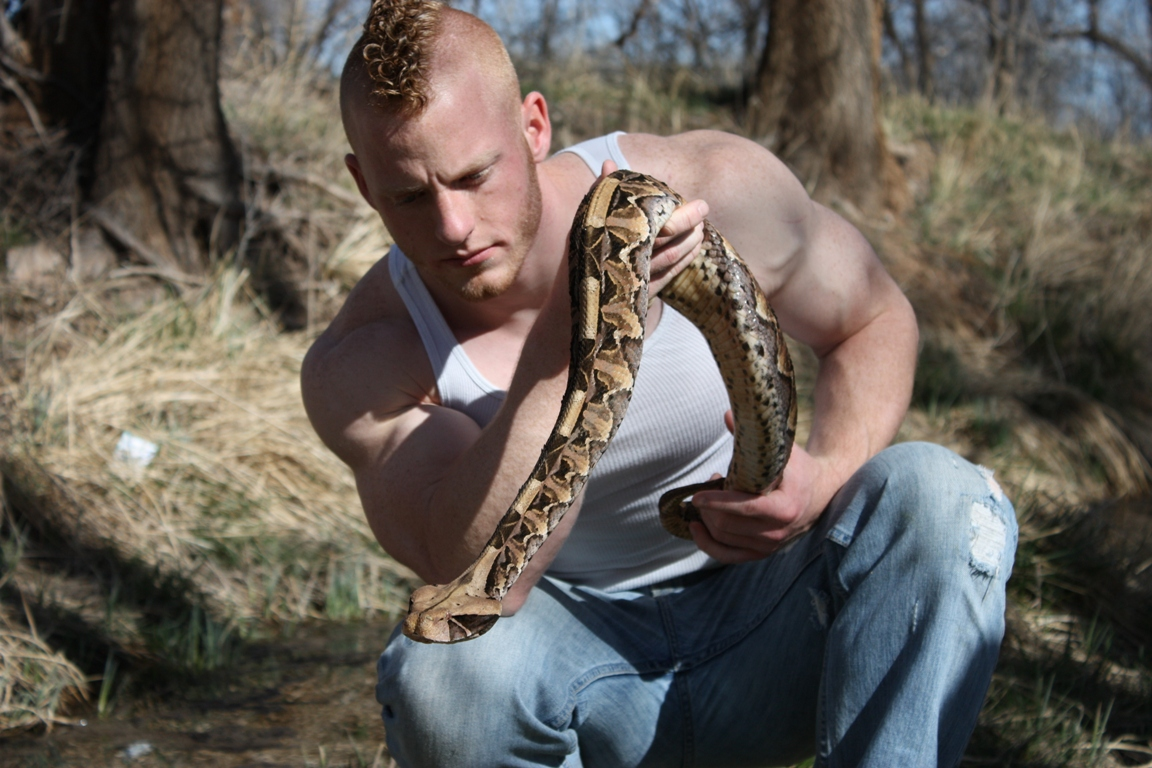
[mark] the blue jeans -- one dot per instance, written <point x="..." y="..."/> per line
<point x="868" y="642"/>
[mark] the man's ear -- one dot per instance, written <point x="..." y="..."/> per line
<point x="353" y="166"/>
<point x="536" y="125"/>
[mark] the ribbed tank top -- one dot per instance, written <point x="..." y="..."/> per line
<point x="673" y="433"/>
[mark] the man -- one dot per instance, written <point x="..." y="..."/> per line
<point x="854" y="612"/>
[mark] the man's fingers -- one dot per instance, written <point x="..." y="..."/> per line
<point x="722" y="552"/>
<point x="686" y="218"/>
<point x="609" y="167"/>
<point x="672" y="253"/>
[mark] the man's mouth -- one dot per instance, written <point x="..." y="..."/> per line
<point x="477" y="257"/>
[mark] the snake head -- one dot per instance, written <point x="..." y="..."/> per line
<point x="441" y="614"/>
<point x="676" y="512"/>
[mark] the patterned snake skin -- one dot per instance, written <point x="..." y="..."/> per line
<point x="610" y="246"/>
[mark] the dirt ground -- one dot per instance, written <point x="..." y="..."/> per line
<point x="305" y="699"/>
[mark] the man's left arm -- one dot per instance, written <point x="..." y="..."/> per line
<point x="831" y="292"/>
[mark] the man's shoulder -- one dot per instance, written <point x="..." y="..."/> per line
<point x="678" y="152"/>
<point x="713" y="165"/>
<point x="370" y="358"/>
<point x="373" y="302"/>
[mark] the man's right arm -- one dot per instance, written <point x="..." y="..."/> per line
<point x="432" y="482"/>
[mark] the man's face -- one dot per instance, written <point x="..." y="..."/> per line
<point x="456" y="186"/>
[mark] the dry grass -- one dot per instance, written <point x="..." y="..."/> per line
<point x="241" y="498"/>
<point x="1031" y="279"/>
<point x="241" y="517"/>
<point x="37" y="682"/>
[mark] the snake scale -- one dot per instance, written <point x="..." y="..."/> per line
<point x="609" y="249"/>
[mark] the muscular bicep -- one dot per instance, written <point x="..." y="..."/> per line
<point x="371" y="398"/>
<point x="416" y="450"/>
<point x="833" y="283"/>
<point x="820" y="273"/>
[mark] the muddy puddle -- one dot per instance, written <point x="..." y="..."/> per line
<point x="304" y="698"/>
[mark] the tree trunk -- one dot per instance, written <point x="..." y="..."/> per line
<point x="135" y="81"/>
<point x="927" y="64"/>
<point x="817" y="101"/>
<point x="165" y="166"/>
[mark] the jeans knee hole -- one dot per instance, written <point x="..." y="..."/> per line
<point x="988" y="537"/>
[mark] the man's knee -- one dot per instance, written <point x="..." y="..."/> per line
<point x="477" y="702"/>
<point x="438" y="701"/>
<point x="420" y="684"/>
<point x="941" y="507"/>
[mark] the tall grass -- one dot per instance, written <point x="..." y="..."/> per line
<point x="241" y="518"/>
<point x="241" y="497"/>
<point x="1032" y="281"/>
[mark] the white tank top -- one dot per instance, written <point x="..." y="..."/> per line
<point x="673" y="433"/>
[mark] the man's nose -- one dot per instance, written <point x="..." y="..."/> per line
<point x="457" y="218"/>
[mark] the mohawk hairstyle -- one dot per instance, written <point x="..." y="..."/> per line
<point x="396" y="46"/>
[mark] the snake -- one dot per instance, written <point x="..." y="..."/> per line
<point x="609" y="250"/>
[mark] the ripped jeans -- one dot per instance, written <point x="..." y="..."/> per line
<point x="869" y="642"/>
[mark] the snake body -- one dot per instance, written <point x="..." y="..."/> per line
<point x="609" y="250"/>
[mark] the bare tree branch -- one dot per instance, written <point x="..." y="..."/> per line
<point x="9" y="40"/>
<point x="332" y="12"/>
<point x="925" y="74"/>
<point x="547" y="28"/>
<point x="19" y="69"/>
<point x="696" y="30"/>
<point x="637" y="17"/>
<point x="1093" y="34"/>
<point x="10" y="83"/>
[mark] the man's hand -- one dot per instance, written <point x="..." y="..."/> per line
<point x="677" y="241"/>
<point x="740" y="527"/>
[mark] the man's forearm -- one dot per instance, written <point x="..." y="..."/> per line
<point x="465" y="505"/>
<point x="862" y="392"/>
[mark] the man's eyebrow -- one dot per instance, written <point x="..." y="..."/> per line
<point x="403" y="191"/>
<point x="468" y="170"/>
<point x="479" y="165"/>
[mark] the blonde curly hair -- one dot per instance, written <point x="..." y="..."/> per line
<point x="396" y="47"/>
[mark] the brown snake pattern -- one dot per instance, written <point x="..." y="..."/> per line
<point x="609" y="250"/>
